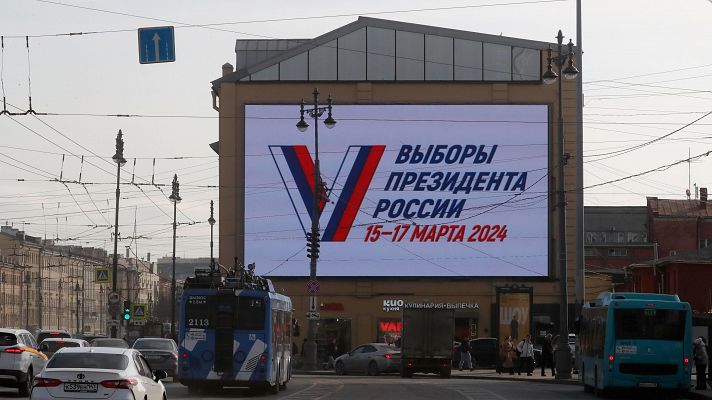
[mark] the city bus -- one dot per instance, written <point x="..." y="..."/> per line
<point x="635" y="340"/>
<point x="235" y="330"/>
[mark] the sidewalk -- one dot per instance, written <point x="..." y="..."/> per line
<point x="491" y="374"/>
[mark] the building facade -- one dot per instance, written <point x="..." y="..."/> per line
<point x="47" y="286"/>
<point x="377" y="64"/>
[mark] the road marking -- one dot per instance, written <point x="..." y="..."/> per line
<point x="474" y="392"/>
<point x="318" y="390"/>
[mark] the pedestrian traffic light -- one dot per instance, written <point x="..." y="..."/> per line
<point x="127" y="310"/>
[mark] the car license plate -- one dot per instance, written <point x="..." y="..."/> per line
<point x="81" y="387"/>
<point x="647" y="384"/>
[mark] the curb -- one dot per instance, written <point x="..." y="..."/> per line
<point x="507" y="378"/>
<point x="695" y="395"/>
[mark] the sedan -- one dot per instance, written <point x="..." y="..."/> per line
<point x="98" y="373"/>
<point x="160" y="354"/>
<point x="50" y="346"/>
<point x="107" y="342"/>
<point x="370" y="358"/>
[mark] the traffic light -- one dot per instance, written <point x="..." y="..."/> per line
<point x="127" y="311"/>
<point x="312" y="246"/>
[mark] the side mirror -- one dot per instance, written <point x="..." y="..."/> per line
<point x="159" y="374"/>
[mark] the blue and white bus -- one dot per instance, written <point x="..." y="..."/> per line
<point x="234" y="331"/>
<point x="635" y="340"/>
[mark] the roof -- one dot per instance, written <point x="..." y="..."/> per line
<point x="626" y="219"/>
<point x="679" y="208"/>
<point x="285" y="52"/>
<point x="701" y="256"/>
<point x="103" y="350"/>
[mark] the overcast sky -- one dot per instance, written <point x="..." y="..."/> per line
<point x="646" y="70"/>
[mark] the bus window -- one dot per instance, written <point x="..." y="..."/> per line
<point x="650" y="324"/>
<point x="250" y="313"/>
<point x="199" y="312"/>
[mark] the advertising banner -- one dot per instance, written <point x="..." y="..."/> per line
<point x="404" y="190"/>
<point x="514" y="314"/>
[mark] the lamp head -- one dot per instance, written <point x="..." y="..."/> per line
<point x="549" y="76"/>
<point x="570" y="72"/>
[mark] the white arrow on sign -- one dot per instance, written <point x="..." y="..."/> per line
<point x="312" y="303"/>
<point x="157" y="39"/>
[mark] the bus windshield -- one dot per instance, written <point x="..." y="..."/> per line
<point x="649" y="324"/>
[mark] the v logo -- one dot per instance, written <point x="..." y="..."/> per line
<point x="301" y="167"/>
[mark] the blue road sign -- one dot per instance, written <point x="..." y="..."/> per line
<point x="139" y="310"/>
<point x="156" y="45"/>
<point x="102" y="275"/>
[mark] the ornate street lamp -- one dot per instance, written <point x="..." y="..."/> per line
<point x="310" y="347"/>
<point x="562" y="353"/>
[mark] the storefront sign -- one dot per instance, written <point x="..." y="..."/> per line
<point x="396" y="305"/>
<point x="332" y="307"/>
<point x="389" y="330"/>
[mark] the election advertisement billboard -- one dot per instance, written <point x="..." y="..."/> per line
<point x="441" y="190"/>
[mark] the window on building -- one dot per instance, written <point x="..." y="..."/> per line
<point x="616" y="252"/>
<point x="705" y="243"/>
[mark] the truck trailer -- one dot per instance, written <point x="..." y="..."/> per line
<point x="427" y="341"/>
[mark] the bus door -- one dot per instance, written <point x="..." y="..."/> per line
<point x="224" y="330"/>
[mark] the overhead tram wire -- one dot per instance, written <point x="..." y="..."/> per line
<point x="213" y="25"/>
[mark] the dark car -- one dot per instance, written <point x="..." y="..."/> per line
<point x="50" y="346"/>
<point x="43" y="334"/>
<point x="108" y="342"/>
<point x="89" y="336"/>
<point x="485" y="352"/>
<point x="160" y="353"/>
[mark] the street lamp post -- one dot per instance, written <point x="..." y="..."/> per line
<point x="310" y="347"/>
<point x="77" y="289"/>
<point x="175" y="198"/>
<point x="211" y="221"/>
<point x="562" y="353"/>
<point x="120" y="161"/>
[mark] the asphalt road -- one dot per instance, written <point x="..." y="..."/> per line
<point x="392" y="387"/>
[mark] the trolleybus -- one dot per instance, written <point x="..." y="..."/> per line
<point x="235" y="330"/>
<point x="635" y="340"/>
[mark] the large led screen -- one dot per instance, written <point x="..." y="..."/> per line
<point x="407" y="190"/>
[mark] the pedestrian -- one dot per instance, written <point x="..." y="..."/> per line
<point x="526" y="355"/>
<point x="465" y="356"/>
<point x="547" y="355"/>
<point x="508" y="355"/>
<point x="701" y="360"/>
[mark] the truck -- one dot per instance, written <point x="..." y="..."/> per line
<point x="427" y="341"/>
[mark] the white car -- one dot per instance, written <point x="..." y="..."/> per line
<point x="50" y="346"/>
<point x="19" y="359"/>
<point x="98" y="373"/>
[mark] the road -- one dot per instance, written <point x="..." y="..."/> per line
<point x="391" y="387"/>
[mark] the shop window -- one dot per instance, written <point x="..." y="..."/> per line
<point x="705" y="243"/>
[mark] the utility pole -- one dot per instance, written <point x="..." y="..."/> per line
<point x="175" y="198"/>
<point x="120" y="161"/>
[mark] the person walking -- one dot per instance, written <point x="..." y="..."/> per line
<point x="547" y="355"/>
<point x="701" y="361"/>
<point x="465" y="356"/>
<point x="526" y="355"/>
<point x="508" y="355"/>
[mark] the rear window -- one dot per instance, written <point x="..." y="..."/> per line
<point x="54" y="334"/>
<point x="109" y="343"/>
<point x="89" y="361"/>
<point x="56" y="345"/>
<point x="154" y="345"/>
<point x="650" y="324"/>
<point x="250" y="313"/>
<point x="8" y="339"/>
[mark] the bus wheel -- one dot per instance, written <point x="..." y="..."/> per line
<point x="586" y="388"/>
<point x="596" y="391"/>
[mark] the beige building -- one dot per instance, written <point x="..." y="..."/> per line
<point x="379" y="62"/>
<point x="46" y="286"/>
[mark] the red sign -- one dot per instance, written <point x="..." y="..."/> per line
<point x="390" y="326"/>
